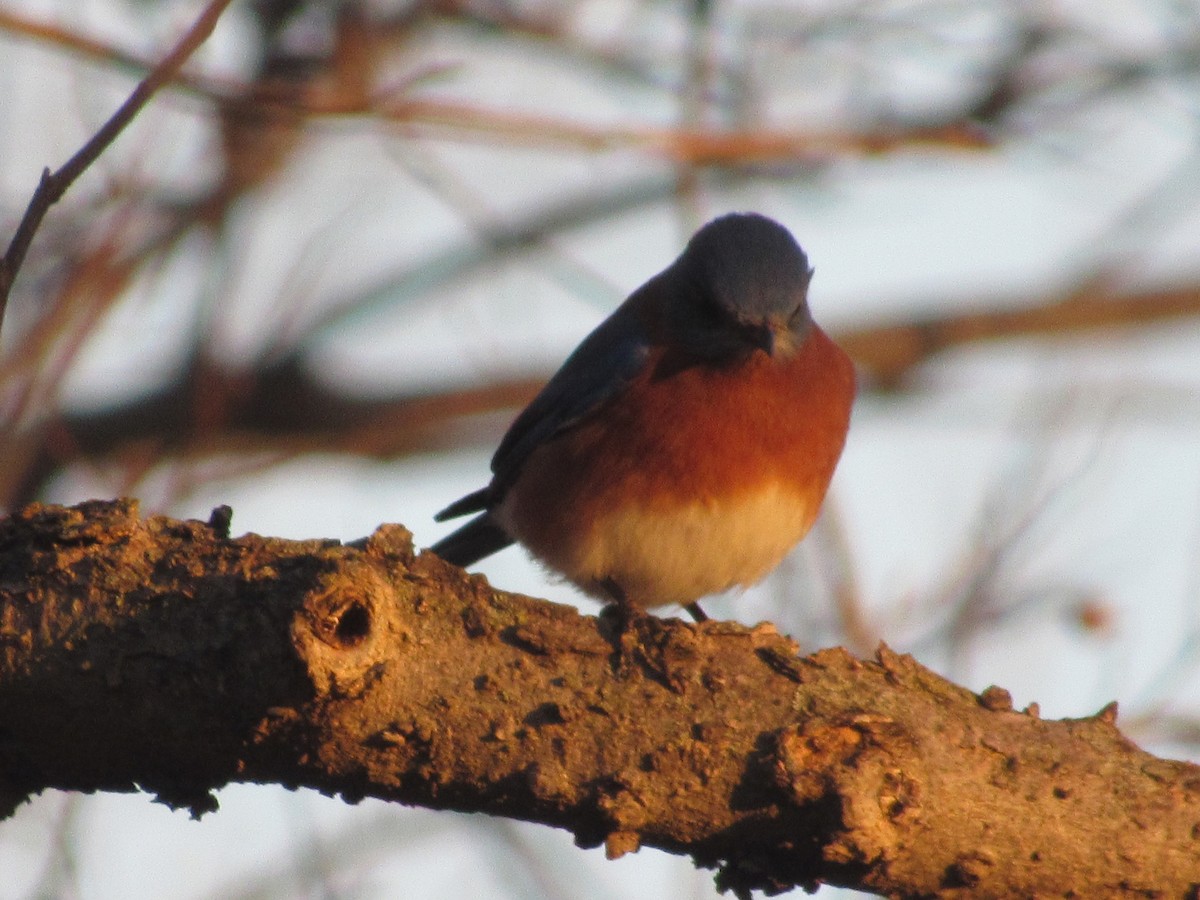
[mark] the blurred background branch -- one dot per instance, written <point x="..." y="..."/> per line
<point x="1017" y="70"/>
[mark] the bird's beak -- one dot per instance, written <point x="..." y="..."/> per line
<point x="769" y="336"/>
<point x="764" y="339"/>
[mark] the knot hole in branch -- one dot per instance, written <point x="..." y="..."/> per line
<point x="347" y="625"/>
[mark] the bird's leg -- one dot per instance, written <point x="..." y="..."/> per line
<point x="625" y="614"/>
<point x="697" y="614"/>
<point x="624" y="611"/>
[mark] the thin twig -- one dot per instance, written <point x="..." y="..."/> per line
<point x="56" y="36"/>
<point x="54" y="184"/>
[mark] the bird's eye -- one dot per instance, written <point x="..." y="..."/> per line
<point x="799" y="313"/>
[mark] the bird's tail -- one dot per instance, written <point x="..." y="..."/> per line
<point x="478" y="538"/>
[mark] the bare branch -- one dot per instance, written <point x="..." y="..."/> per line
<point x="889" y="352"/>
<point x="284" y="409"/>
<point x="87" y="47"/>
<point x="54" y="184"/>
<point x="162" y="655"/>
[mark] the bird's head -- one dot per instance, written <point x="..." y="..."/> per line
<point x="741" y="284"/>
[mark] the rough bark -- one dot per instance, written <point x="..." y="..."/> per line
<point x="165" y="656"/>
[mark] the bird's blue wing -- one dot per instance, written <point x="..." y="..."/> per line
<point x="602" y="366"/>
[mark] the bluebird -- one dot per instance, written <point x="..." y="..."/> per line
<point x="687" y="443"/>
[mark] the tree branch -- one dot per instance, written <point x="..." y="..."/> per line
<point x="162" y="655"/>
<point x="282" y="408"/>
<point x="891" y="351"/>
<point x="54" y="184"/>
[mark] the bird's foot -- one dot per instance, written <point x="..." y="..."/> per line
<point x="623" y="634"/>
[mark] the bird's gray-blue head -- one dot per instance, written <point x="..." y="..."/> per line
<point x="740" y="284"/>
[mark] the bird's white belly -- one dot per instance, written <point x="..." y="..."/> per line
<point x="659" y="557"/>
